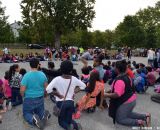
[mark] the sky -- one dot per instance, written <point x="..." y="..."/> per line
<point x="109" y="13"/>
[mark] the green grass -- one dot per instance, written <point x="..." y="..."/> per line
<point x="24" y="51"/>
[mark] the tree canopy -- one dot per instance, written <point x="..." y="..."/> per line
<point x="6" y="34"/>
<point x="55" y="16"/>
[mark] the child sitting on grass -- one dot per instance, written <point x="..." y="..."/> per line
<point x="151" y="78"/>
<point x="2" y="109"/>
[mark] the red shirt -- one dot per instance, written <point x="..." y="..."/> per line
<point x="130" y="73"/>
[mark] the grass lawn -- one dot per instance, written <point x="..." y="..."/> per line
<point x="24" y="51"/>
<point x="39" y="51"/>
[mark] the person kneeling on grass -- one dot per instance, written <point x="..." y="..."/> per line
<point x="32" y="88"/>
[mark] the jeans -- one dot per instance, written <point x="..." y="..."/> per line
<point x="16" y="97"/>
<point x="126" y="116"/>
<point x="33" y="106"/>
<point x="65" y="119"/>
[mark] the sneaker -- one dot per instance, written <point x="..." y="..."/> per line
<point x="79" y="126"/>
<point x="71" y="127"/>
<point x="10" y="106"/>
<point x="38" y="122"/>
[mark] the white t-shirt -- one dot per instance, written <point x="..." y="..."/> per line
<point x="6" y="51"/>
<point x="61" y="85"/>
<point x="151" y="55"/>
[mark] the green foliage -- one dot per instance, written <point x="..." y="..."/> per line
<point x="67" y="21"/>
<point x="6" y="34"/>
<point x="58" y="16"/>
<point x="130" y="32"/>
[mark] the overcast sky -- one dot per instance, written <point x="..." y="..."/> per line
<point x="109" y="13"/>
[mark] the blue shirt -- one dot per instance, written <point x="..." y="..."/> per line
<point x="34" y="83"/>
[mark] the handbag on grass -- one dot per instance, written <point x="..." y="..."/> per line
<point x="56" y="110"/>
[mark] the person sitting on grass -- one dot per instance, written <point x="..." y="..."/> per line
<point x="151" y="78"/>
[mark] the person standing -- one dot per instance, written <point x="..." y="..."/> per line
<point x="129" y="53"/>
<point x="151" y="57"/>
<point x="32" y="89"/>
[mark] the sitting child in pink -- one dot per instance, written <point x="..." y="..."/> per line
<point x="151" y="78"/>
<point x="6" y="87"/>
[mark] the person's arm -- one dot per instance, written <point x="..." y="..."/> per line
<point x="79" y="83"/>
<point x="87" y="99"/>
<point x="45" y="85"/>
<point x="22" y="90"/>
<point x="49" y="87"/>
<point x="102" y="98"/>
<point x="84" y="61"/>
<point x="119" y="88"/>
<point x="111" y="95"/>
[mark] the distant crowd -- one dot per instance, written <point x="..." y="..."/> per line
<point x="72" y="53"/>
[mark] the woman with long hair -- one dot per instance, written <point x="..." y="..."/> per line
<point x="14" y="81"/>
<point x="94" y="88"/>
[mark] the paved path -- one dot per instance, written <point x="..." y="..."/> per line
<point x="98" y="121"/>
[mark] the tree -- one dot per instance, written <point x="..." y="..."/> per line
<point x="62" y="16"/>
<point x="130" y="32"/>
<point x="151" y="38"/>
<point x="6" y="34"/>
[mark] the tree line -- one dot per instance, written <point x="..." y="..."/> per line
<point x="67" y="22"/>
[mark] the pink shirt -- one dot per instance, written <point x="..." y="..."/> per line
<point x="6" y="89"/>
<point x="119" y="88"/>
<point x="151" y="78"/>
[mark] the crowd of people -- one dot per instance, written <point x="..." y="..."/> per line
<point x="72" y="53"/>
<point x="125" y="78"/>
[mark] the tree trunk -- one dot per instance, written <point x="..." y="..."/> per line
<point x="57" y="40"/>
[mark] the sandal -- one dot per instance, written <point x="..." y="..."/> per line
<point x="148" y="120"/>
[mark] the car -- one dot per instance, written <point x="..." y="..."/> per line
<point x="35" y="46"/>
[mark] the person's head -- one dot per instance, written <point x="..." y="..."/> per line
<point x="22" y="71"/>
<point x="134" y="63"/>
<point x="121" y="66"/>
<point x="85" y="70"/>
<point x="137" y="66"/>
<point x="129" y="66"/>
<point x="66" y="67"/>
<point x="129" y="62"/>
<point x="109" y="63"/>
<point x="13" y="69"/>
<point x="6" y="75"/>
<point x="34" y="63"/>
<point x="94" y="76"/>
<point x="141" y="65"/>
<point x="51" y="65"/>
<point x="97" y="62"/>
<point x="138" y="71"/>
<point x="149" y="69"/>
